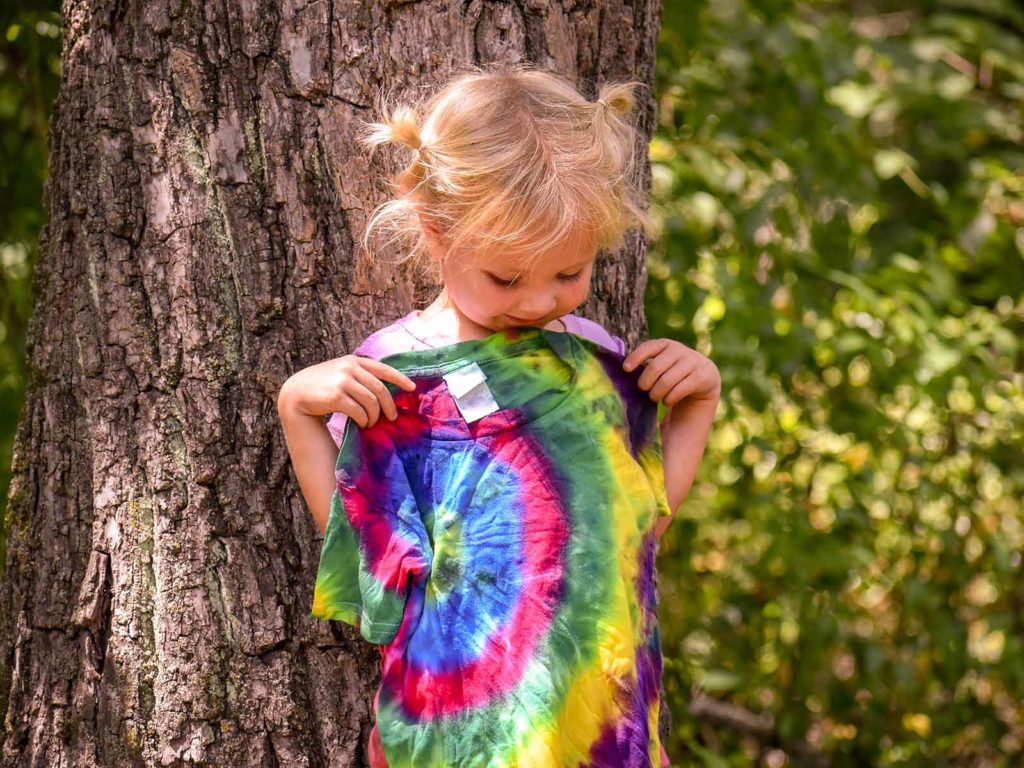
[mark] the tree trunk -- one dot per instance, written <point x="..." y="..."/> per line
<point x="204" y="198"/>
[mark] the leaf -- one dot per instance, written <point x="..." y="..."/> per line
<point x="855" y="99"/>
<point x="892" y="162"/>
<point x="936" y="360"/>
<point x="717" y="680"/>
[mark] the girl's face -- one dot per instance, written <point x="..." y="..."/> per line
<point x="497" y="293"/>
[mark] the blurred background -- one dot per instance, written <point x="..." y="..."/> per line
<point x="839" y="189"/>
<point x="30" y="46"/>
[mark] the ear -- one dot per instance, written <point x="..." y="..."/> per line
<point x="430" y="227"/>
<point x="437" y="243"/>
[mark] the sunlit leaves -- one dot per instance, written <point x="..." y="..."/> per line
<point x="842" y="229"/>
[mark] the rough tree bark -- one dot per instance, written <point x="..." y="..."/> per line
<point x="204" y="198"/>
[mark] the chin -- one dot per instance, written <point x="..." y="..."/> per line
<point x="538" y="323"/>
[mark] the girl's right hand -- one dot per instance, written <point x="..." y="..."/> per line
<point x="349" y="384"/>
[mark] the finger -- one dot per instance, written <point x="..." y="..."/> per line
<point x="386" y="372"/>
<point x="643" y="351"/>
<point x="380" y="392"/>
<point x="656" y="369"/>
<point x="358" y="392"/>
<point x="670" y="379"/>
<point x="353" y="410"/>
<point x="683" y="389"/>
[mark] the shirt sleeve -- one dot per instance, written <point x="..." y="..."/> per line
<point x="336" y="426"/>
<point x="375" y="546"/>
<point x="595" y="332"/>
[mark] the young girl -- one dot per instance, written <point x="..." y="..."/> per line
<point x="516" y="183"/>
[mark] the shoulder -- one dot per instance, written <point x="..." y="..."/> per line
<point x="388" y="340"/>
<point x="595" y="332"/>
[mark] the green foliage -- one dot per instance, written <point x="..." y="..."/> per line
<point x="840" y="197"/>
<point x="29" y="77"/>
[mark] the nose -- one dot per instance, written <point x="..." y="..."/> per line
<point x="537" y="308"/>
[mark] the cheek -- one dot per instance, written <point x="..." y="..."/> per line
<point x="578" y="292"/>
<point x="482" y="296"/>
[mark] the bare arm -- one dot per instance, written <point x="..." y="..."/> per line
<point x="684" y="434"/>
<point x="313" y="454"/>
<point x="690" y="385"/>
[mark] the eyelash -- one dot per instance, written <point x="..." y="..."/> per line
<point x="561" y="278"/>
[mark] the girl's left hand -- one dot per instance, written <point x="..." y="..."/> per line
<point x="674" y="371"/>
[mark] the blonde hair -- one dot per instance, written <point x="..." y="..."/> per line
<point x="512" y="158"/>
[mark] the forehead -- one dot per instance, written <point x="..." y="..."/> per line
<point x="573" y="252"/>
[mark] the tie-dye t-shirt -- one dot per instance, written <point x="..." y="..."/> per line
<point x="505" y="566"/>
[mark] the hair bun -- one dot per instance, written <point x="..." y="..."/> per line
<point x="400" y="125"/>
<point x="618" y="97"/>
<point x="405" y="127"/>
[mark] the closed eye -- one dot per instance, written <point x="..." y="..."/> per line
<point x="514" y="281"/>
<point x="503" y="283"/>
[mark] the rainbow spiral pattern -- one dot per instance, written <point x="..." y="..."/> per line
<point x="505" y="566"/>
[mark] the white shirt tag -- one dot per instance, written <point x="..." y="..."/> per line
<point x="469" y="388"/>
